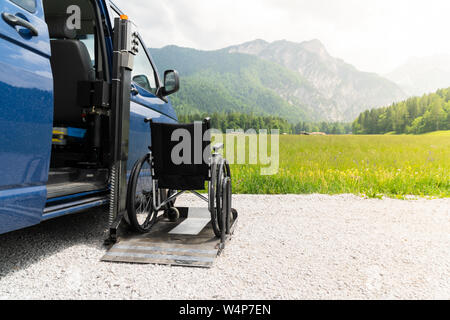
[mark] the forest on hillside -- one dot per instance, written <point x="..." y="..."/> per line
<point x="234" y="121"/>
<point x="416" y="115"/>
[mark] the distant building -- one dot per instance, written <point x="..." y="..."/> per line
<point x="318" y="134"/>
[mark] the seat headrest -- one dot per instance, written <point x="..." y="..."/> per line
<point x="57" y="28"/>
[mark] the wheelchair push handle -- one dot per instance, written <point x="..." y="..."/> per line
<point x="217" y="147"/>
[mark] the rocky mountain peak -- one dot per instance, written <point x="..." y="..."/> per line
<point x="254" y="47"/>
<point x="315" y="46"/>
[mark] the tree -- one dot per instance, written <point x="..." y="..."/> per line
<point x="415" y="115"/>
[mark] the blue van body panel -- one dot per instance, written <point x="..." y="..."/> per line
<point x="140" y="137"/>
<point x="148" y="99"/>
<point x="26" y="117"/>
<point x="21" y="36"/>
<point x="21" y="207"/>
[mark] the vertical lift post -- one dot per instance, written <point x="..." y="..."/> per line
<point x="125" y="49"/>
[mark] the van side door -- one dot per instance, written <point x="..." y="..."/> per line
<point x="26" y="113"/>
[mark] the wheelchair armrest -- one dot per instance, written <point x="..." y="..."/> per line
<point x="218" y="146"/>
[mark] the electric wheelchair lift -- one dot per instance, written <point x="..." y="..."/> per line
<point x="161" y="232"/>
<point x="177" y="236"/>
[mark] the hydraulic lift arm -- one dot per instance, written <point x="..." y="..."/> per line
<point x="124" y="52"/>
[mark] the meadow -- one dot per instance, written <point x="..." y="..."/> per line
<point x="373" y="166"/>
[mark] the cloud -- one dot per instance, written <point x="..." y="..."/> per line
<point x="373" y="35"/>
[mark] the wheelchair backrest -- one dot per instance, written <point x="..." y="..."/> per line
<point x="178" y="150"/>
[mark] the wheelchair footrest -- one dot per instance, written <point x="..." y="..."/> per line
<point x="188" y="242"/>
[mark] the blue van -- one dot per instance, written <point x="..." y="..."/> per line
<point x="55" y="113"/>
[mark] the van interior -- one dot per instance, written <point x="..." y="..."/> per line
<point x="79" y="161"/>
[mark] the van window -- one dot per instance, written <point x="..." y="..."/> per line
<point x="143" y="72"/>
<point x="89" y="42"/>
<point x="29" y="5"/>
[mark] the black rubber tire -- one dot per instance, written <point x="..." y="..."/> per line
<point x="173" y="214"/>
<point x="140" y="206"/>
<point x="126" y="218"/>
<point x="215" y="219"/>
<point x="223" y="171"/>
<point x="228" y="199"/>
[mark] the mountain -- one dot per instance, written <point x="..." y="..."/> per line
<point x="218" y="81"/>
<point x="423" y="75"/>
<point x="345" y="90"/>
<point x="296" y="81"/>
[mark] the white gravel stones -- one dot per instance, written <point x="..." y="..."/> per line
<point x="285" y="247"/>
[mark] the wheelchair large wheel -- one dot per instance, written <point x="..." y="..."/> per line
<point x="140" y="209"/>
<point x="219" y="195"/>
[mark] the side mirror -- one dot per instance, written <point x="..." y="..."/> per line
<point x="171" y="83"/>
<point x="142" y="81"/>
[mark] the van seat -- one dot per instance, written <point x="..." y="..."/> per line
<point x="71" y="63"/>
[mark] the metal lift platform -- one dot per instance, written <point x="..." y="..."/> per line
<point x="189" y="242"/>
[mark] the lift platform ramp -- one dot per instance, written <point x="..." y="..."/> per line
<point x="189" y="242"/>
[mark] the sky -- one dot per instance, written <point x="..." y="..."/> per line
<point x="376" y="35"/>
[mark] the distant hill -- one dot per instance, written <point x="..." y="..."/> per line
<point x="298" y="82"/>
<point x="423" y="75"/>
<point x="416" y="115"/>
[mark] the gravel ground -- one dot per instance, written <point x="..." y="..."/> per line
<point x="288" y="247"/>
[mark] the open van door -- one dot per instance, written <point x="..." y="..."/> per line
<point x="26" y="113"/>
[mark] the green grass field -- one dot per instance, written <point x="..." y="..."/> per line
<point x="388" y="165"/>
<point x="439" y="133"/>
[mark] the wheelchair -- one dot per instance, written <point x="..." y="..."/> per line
<point x="157" y="180"/>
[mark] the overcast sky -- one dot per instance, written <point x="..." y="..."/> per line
<point x="376" y="35"/>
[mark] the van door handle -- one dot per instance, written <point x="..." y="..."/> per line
<point x="16" y="21"/>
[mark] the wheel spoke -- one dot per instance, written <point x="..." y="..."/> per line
<point x="150" y="213"/>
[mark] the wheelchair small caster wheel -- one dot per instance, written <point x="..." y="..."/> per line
<point x="173" y="214"/>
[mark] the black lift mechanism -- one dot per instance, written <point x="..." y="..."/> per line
<point x="124" y="54"/>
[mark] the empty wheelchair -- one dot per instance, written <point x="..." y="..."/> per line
<point x="180" y="160"/>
